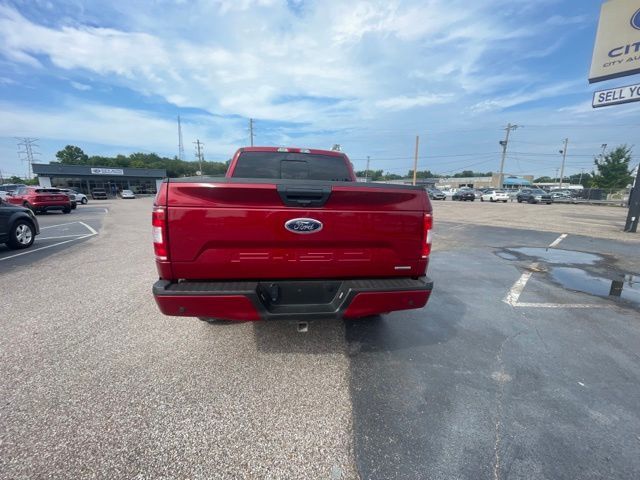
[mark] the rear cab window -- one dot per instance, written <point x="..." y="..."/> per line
<point x="290" y="165"/>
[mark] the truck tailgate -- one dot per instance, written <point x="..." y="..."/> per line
<point x="236" y="230"/>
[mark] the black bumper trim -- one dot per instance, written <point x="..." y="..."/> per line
<point x="335" y="308"/>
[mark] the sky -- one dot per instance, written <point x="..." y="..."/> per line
<point x="112" y="77"/>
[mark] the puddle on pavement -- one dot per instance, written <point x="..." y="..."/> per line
<point x="625" y="287"/>
<point x="551" y="255"/>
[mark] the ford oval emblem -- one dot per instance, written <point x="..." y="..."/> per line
<point x="635" y="20"/>
<point x="303" y="225"/>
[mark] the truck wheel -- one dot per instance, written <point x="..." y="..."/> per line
<point x="519" y="200"/>
<point x="66" y="210"/>
<point x="481" y="199"/>
<point x="21" y="235"/>
<point x="84" y="201"/>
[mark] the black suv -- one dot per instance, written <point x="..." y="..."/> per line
<point x="533" y="195"/>
<point x="18" y="226"/>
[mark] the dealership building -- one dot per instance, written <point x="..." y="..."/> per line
<point x="85" y="178"/>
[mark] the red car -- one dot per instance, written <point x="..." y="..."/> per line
<point x="290" y="234"/>
<point x="40" y="199"/>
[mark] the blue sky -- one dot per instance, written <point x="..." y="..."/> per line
<point x="111" y="77"/>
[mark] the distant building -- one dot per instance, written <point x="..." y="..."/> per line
<point x="85" y="178"/>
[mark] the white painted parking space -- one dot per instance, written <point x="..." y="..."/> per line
<point x="513" y="295"/>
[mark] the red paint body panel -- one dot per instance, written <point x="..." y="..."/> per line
<point x="235" y="307"/>
<point x="236" y="231"/>
<point x="366" y="304"/>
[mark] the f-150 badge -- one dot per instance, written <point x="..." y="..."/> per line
<point x="303" y="225"/>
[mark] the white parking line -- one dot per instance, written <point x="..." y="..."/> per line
<point x="59" y="225"/>
<point x="513" y="295"/>
<point x="558" y="240"/>
<point x="61" y="236"/>
<point x="88" y="228"/>
<point x="43" y="248"/>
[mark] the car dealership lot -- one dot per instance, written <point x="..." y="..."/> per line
<point x="94" y="381"/>
<point x="58" y="232"/>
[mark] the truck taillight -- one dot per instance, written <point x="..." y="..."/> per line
<point x="159" y="227"/>
<point x="428" y="225"/>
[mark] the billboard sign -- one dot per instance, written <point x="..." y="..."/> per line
<point x="616" y="52"/>
<point x="616" y="96"/>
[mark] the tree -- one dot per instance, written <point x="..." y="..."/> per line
<point x="372" y="175"/>
<point x="72" y="155"/>
<point x="613" y="169"/>
<point x="422" y="174"/>
<point x="583" y="179"/>
<point x="543" y="180"/>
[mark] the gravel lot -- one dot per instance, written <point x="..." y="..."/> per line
<point x="96" y="383"/>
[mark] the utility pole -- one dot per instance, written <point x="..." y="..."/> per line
<point x="415" y="160"/>
<point x="557" y="177"/>
<point x="564" y="157"/>
<point x="631" y="225"/>
<point x="199" y="146"/>
<point x="180" y="144"/>
<point x="28" y="144"/>
<point x="251" y="130"/>
<point x="581" y="173"/>
<point x="366" y="172"/>
<point x="504" y="143"/>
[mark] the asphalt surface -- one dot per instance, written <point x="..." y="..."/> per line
<point x="58" y="232"/>
<point x="96" y="383"/>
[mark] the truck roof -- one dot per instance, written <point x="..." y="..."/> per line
<point x="293" y="150"/>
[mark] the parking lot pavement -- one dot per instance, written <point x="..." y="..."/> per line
<point x="594" y="221"/>
<point x="95" y="382"/>
<point x="473" y="387"/>
<point x="58" y="232"/>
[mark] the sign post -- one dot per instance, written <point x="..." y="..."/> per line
<point x="631" y="224"/>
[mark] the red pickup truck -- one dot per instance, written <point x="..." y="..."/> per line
<point x="290" y="234"/>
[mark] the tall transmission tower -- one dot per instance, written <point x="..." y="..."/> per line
<point x="180" y="144"/>
<point x="199" y="154"/>
<point x="26" y="146"/>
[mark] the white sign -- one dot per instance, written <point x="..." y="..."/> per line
<point x="615" y="96"/>
<point x="616" y="52"/>
<point x="107" y="171"/>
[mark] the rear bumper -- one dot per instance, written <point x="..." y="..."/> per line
<point x="307" y="299"/>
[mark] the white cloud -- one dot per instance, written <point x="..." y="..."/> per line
<point x="80" y="86"/>
<point x="404" y="102"/>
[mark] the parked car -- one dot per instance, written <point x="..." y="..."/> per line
<point x="11" y="187"/>
<point x="127" y="194"/>
<point x="435" y="194"/>
<point x="18" y="226"/>
<point x="558" y="195"/>
<point x="3" y="195"/>
<point x="80" y="197"/>
<point x="533" y="195"/>
<point x="99" y="194"/>
<point x="464" y="195"/>
<point x="495" y="196"/>
<point x="40" y="199"/>
<point x="72" y="197"/>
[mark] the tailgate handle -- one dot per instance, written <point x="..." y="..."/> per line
<point x="304" y="196"/>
